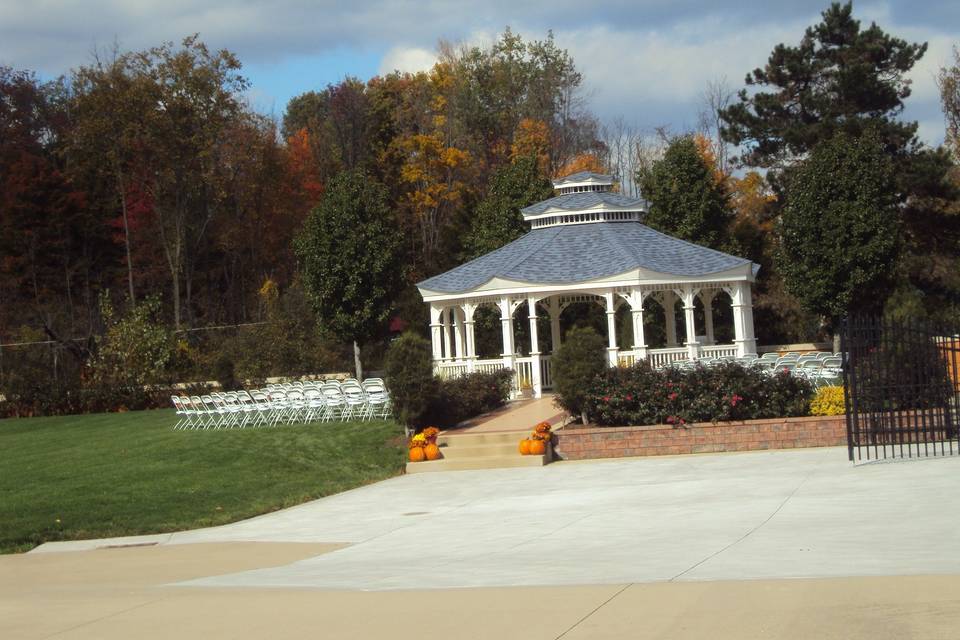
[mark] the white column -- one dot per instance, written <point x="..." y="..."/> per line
<point x="707" y="298"/>
<point x="636" y="313"/>
<point x="458" y="335"/>
<point x="469" y="338"/>
<point x="612" y="350"/>
<point x="669" y="316"/>
<point x="555" y="311"/>
<point x="743" y="319"/>
<point x="447" y="354"/>
<point x="436" y="333"/>
<point x="688" y="296"/>
<point x="536" y="382"/>
<point x="506" y="326"/>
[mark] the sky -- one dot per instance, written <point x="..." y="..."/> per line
<point x="644" y="61"/>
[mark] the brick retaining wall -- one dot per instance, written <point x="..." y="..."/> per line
<point x="582" y="443"/>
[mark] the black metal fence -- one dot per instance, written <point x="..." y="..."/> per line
<point x="900" y="388"/>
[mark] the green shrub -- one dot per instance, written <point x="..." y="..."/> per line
<point x="135" y="349"/>
<point x="459" y="399"/>
<point x="224" y="372"/>
<point x="409" y="373"/>
<point x="576" y="364"/>
<point x="641" y="395"/>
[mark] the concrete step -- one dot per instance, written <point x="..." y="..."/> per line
<point x="480" y="462"/>
<point x="478" y="439"/>
<point x="458" y="451"/>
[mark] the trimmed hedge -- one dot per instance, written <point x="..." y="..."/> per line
<point x="459" y="399"/>
<point x="421" y="399"/>
<point x="641" y="395"/>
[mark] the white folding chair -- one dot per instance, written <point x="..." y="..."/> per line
<point x="378" y="398"/>
<point x="355" y="398"/>
<point x="336" y="404"/>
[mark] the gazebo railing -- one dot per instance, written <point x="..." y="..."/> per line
<point x="523" y="370"/>
<point x="523" y="374"/>
<point x="546" y="372"/>
<point x="662" y="357"/>
<point x="451" y="368"/>
<point x="718" y="351"/>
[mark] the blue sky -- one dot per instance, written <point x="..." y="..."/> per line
<point x="645" y="61"/>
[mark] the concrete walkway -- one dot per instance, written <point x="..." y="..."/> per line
<point x="784" y="514"/>
<point x="521" y="415"/>
<point x="682" y="547"/>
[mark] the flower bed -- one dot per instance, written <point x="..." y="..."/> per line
<point x="584" y="443"/>
<point x="678" y="397"/>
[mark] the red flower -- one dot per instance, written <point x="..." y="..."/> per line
<point x="682" y="421"/>
<point x="629" y="397"/>
<point x="606" y="398"/>
<point x="673" y="396"/>
<point x="671" y="419"/>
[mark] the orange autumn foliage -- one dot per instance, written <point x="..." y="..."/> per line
<point x="532" y="139"/>
<point x="304" y="171"/>
<point x="582" y="162"/>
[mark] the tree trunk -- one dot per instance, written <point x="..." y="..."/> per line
<point x="356" y="360"/>
<point x="126" y="239"/>
<point x="176" y="301"/>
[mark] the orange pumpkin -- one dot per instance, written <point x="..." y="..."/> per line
<point x="537" y="447"/>
<point x="417" y="454"/>
<point x="524" y="447"/>
<point x="432" y="452"/>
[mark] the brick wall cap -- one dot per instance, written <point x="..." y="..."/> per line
<point x="577" y="430"/>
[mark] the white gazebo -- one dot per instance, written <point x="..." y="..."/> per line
<point x="588" y="244"/>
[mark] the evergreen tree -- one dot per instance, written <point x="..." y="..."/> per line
<point x="840" y="228"/>
<point x="839" y="78"/>
<point x="686" y="200"/>
<point x="350" y="259"/>
<point x="498" y="219"/>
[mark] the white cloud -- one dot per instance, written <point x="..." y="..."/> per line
<point x="645" y="60"/>
<point x="410" y="59"/>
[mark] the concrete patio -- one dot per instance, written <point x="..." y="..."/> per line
<point x="784" y="514"/>
<point x="672" y="547"/>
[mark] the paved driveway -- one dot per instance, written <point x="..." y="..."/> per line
<point x="784" y="514"/>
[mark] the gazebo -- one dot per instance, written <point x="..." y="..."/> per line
<point x="588" y="243"/>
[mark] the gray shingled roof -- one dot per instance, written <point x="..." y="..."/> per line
<point x="582" y="201"/>
<point x="577" y="253"/>
<point x="581" y="176"/>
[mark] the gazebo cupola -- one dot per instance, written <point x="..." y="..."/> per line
<point x="581" y="198"/>
<point x="589" y="243"/>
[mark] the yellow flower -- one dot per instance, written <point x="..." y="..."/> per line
<point x="418" y="440"/>
<point x="828" y="401"/>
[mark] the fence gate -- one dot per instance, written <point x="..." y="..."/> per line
<point x="900" y="388"/>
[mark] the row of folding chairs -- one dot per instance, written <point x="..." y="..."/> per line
<point x="284" y="404"/>
<point x="821" y="368"/>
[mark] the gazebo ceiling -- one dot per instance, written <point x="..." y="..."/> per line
<point x="581" y="253"/>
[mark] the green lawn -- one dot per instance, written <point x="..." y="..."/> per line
<point x="90" y="476"/>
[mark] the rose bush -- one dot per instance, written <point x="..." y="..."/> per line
<point x="641" y="395"/>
